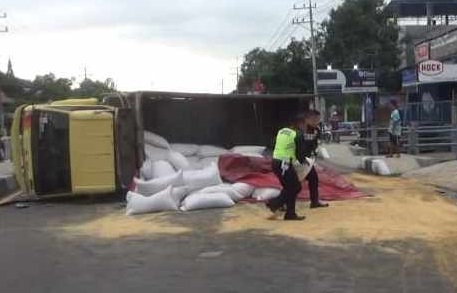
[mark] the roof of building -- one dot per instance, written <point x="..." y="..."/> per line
<point x="418" y="8"/>
<point x="420" y="33"/>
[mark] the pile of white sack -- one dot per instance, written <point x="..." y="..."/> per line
<point x="186" y="177"/>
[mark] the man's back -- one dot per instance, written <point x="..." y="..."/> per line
<point x="395" y="123"/>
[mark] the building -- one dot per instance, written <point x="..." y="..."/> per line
<point x="428" y="37"/>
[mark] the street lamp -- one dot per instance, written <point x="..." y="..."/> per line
<point x="356" y="67"/>
<point x="329" y="67"/>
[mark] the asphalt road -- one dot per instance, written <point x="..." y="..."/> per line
<point x="35" y="256"/>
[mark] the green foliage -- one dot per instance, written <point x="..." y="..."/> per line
<point x="47" y="87"/>
<point x="91" y="88"/>
<point x="287" y="70"/>
<point x="357" y="32"/>
<point x="360" y="32"/>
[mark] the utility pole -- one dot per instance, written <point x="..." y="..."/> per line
<point x="302" y="21"/>
<point x="237" y="73"/>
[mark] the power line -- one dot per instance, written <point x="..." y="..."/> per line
<point x="310" y="21"/>
<point x="289" y="36"/>
<point x="280" y="37"/>
<point x="281" y="26"/>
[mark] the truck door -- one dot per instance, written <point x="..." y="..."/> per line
<point x="126" y="147"/>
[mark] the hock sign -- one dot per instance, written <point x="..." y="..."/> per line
<point x="431" y="67"/>
<point x="434" y="71"/>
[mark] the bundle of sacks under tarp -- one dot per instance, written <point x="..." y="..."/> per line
<point x="186" y="177"/>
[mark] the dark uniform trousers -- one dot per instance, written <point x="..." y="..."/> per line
<point x="292" y="187"/>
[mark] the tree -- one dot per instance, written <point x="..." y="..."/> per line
<point x="360" y="32"/>
<point x="47" y="87"/>
<point x="91" y="88"/>
<point x="284" y="71"/>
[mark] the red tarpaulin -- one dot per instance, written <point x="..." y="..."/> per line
<point x="258" y="172"/>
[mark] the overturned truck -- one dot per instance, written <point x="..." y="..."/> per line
<point x="82" y="147"/>
<point x="209" y="119"/>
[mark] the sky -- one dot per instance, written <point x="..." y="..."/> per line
<point x="181" y="45"/>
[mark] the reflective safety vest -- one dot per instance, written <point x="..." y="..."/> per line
<point x="285" y="145"/>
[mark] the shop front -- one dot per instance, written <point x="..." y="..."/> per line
<point x="430" y="91"/>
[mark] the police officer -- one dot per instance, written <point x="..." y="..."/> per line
<point x="284" y="155"/>
<point x="293" y="145"/>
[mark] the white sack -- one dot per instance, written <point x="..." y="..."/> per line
<point x="199" y="179"/>
<point x="323" y="153"/>
<point x="244" y="189"/>
<point x="303" y="170"/>
<point x="224" y="188"/>
<point x="153" y="186"/>
<point x="179" y="161"/>
<point x="179" y="193"/>
<point x="161" y="169"/>
<point x="146" y="170"/>
<point x="211" y="151"/>
<point x="155" y="153"/>
<point x="264" y="194"/>
<point x="208" y="161"/>
<point x="155" y="140"/>
<point x="248" y="149"/>
<point x="162" y="201"/>
<point x="380" y="168"/>
<point x="195" y="162"/>
<point x="187" y="150"/>
<point x="254" y="155"/>
<point x="130" y="195"/>
<point x="197" y="201"/>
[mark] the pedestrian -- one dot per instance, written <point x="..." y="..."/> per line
<point x="335" y="121"/>
<point x="307" y="148"/>
<point x="293" y="145"/>
<point x="395" y="126"/>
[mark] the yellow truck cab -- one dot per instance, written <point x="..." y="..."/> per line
<point x="73" y="147"/>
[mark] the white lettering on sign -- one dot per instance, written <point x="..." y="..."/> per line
<point x="431" y="67"/>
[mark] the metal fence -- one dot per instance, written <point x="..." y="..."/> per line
<point x="429" y="112"/>
<point x="415" y="139"/>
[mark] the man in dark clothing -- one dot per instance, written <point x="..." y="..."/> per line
<point x="306" y="148"/>
<point x="284" y="156"/>
<point x="293" y="146"/>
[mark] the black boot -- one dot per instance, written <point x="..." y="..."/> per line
<point x="318" y="205"/>
<point x="294" y="217"/>
<point x="271" y="207"/>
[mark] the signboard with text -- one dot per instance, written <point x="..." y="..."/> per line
<point x="436" y="71"/>
<point x="360" y="81"/>
<point x="422" y="52"/>
<point x="408" y="77"/>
